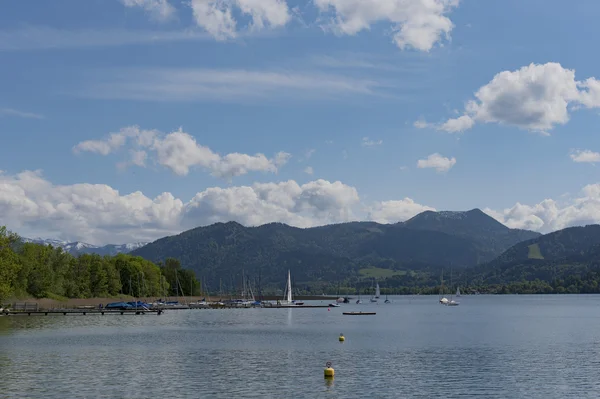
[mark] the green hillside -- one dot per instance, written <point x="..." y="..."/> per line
<point x="350" y="252"/>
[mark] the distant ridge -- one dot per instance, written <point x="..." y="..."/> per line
<point x="78" y="247"/>
<point x="338" y="251"/>
<point x="566" y="260"/>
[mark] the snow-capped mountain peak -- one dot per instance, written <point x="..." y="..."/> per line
<point x="78" y="247"/>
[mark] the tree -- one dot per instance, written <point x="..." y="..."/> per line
<point x="9" y="263"/>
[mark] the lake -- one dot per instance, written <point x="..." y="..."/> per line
<point x="490" y="346"/>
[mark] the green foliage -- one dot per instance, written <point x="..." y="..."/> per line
<point x="9" y="263"/>
<point x="534" y="252"/>
<point x="47" y="272"/>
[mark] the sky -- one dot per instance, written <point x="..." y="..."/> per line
<point x="128" y="120"/>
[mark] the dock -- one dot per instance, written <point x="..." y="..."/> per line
<point x="65" y="312"/>
<point x="33" y="309"/>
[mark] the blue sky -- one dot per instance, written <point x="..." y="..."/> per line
<point x="305" y="83"/>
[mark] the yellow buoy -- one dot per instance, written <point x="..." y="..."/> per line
<point x="342" y="338"/>
<point x="329" y="371"/>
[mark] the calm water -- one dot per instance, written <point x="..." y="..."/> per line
<point x="490" y="346"/>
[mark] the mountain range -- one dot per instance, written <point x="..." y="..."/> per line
<point x="477" y="248"/>
<point x="78" y="248"/>
<point x="339" y="252"/>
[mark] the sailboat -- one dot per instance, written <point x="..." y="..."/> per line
<point x="458" y="292"/>
<point x="358" y="301"/>
<point x="287" y="296"/>
<point x="377" y="292"/>
<point x="374" y="298"/>
<point x="386" y="299"/>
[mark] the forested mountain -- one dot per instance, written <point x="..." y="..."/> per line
<point x="491" y="236"/>
<point x="567" y="260"/>
<point x="337" y="252"/>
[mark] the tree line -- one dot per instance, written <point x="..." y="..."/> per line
<point x="43" y="271"/>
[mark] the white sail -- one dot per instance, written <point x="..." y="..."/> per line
<point x="377" y="292"/>
<point x="288" y="289"/>
<point x="458" y="291"/>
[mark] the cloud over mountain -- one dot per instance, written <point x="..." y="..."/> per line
<point x="99" y="214"/>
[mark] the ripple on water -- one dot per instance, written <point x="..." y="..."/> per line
<point x="489" y="347"/>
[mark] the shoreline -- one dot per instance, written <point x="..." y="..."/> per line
<point x="48" y="303"/>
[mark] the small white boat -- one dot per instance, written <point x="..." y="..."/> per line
<point x="334" y="305"/>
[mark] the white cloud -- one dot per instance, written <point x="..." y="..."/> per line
<point x="550" y="215"/>
<point x="179" y="151"/>
<point x="367" y="142"/>
<point x="418" y="24"/>
<point x="396" y="210"/>
<point x="421" y="124"/>
<point x="457" y="125"/>
<point x="19" y="114"/>
<point x="229" y="85"/>
<point x="159" y="9"/>
<point x="585" y="156"/>
<point x="536" y="97"/>
<point x="309" y="153"/>
<point x="217" y="18"/>
<point x="309" y="170"/>
<point x="105" y="147"/>
<point x="47" y="38"/>
<point x="438" y="162"/>
<point x="99" y="214"/>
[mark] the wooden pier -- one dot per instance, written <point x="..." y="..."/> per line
<point x="65" y="312"/>
<point x="32" y="309"/>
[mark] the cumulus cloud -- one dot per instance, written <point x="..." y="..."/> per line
<point x="217" y="18"/>
<point x="418" y="24"/>
<point x="438" y="162"/>
<point x="179" y="151"/>
<point x="396" y="210"/>
<point x="99" y="214"/>
<point x="536" y="97"/>
<point x="367" y="142"/>
<point x="585" y="156"/>
<point x="550" y="215"/>
<point x="159" y="9"/>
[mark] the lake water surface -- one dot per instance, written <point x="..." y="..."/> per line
<point x="489" y="346"/>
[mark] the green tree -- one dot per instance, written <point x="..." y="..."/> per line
<point x="9" y="263"/>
